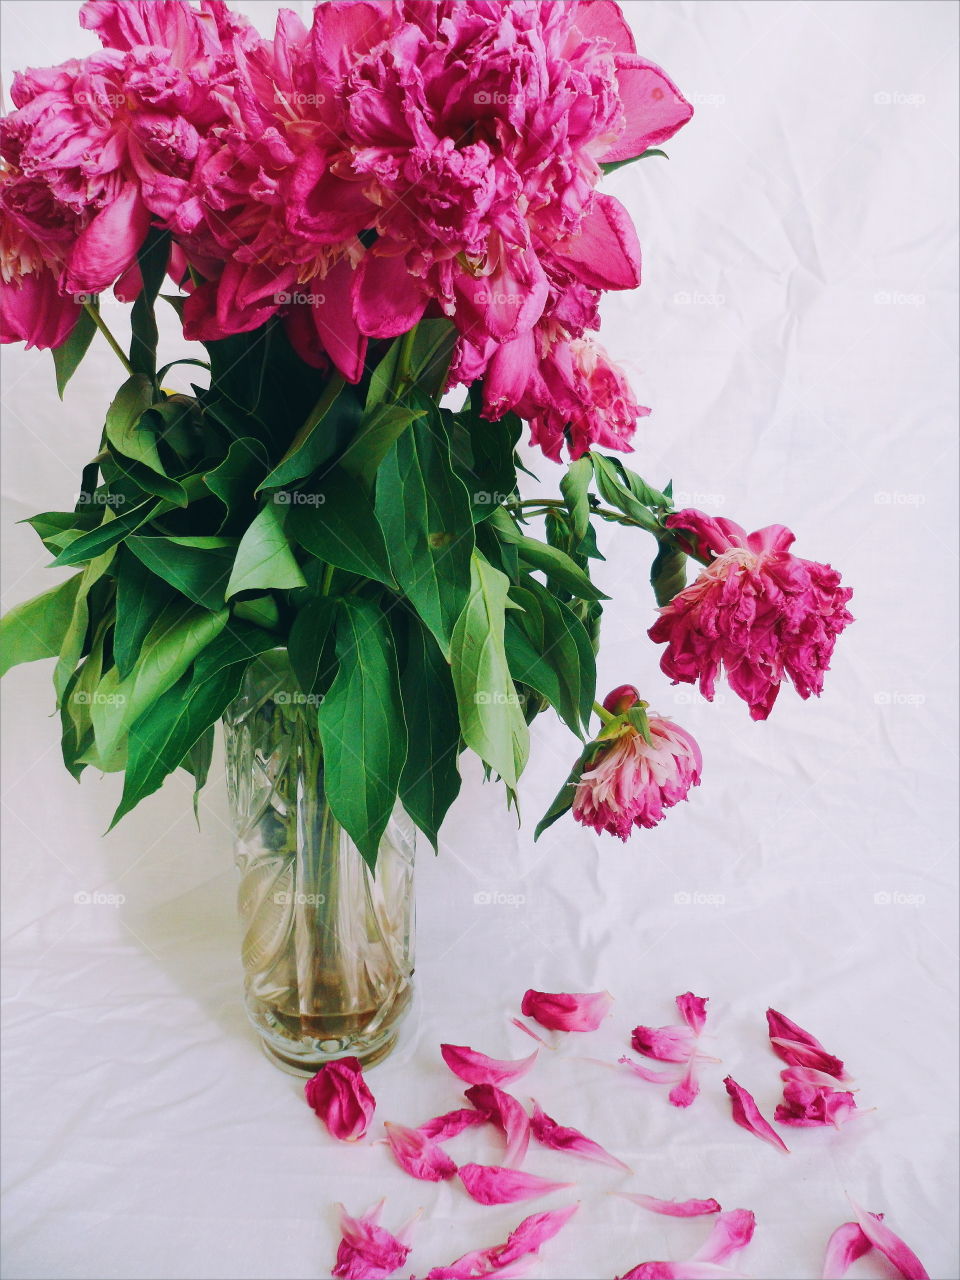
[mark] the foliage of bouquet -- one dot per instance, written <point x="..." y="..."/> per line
<point x="357" y="219"/>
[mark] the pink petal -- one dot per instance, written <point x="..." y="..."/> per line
<point x="477" y="1068"/>
<point x="652" y="1077"/>
<point x="367" y="1251"/>
<point x="731" y="1232"/>
<point x="808" y="1075"/>
<point x="417" y="1155"/>
<point x="686" y="1092"/>
<point x="334" y="322"/>
<point x="680" y="1271"/>
<point x="477" y="1264"/>
<point x="440" y="1128"/>
<point x="531" y="1033"/>
<point x="672" y="1208"/>
<point x="108" y="245"/>
<point x="507" y="1114"/>
<point x="531" y="1233"/>
<point x="654" y="106"/>
<point x="560" y="1138"/>
<point x="845" y="1246"/>
<point x="565" y="1011"/>
<point x="746" y="1113"/>
<point x="890" y="1245"/>
<point x="799" y="1048"/>
<point x="387" y="300"/>
<point x="489" y="1184"/>
<point x="605" y="252"/>
<point x="341" y="1098"/>
<point x="693" y="1010"/>
<point x="666" y="1044"/>
<point x="603" y="19"/>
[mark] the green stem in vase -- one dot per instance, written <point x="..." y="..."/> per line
<point x="94" y="314"/>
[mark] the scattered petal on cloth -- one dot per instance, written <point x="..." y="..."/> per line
<point x="798" y="1048"/>
<point x="809" y="1105"/>
<point x="477" y="1068"/>
<point x="890" y="1245"/>
<point x="490" y="1184"/>
<point x="672" y="1208"/>
<point x="341" y="1098"/>
<point x="680" y="1271"/>
<point x="675" y="1044"/>
<point x="731" y="1232"/>
<point x="666" y="1044"/>
<point x="648" y="1074"/>
<point x="560" y="1138"/>
<point x="845" y="1246"/>
<point x="693" y="1010"/>
<point x="507" y="1114"/>
<point x="531" y="1033"/>
<point x="440" y="1128"/>
<point x="417" y="1155"/>
<point x="686" y="1092"/>
<point x="746" y="1113"/>
<point x="561" y="1011"/>
<point x="514" y="1256"/>
<point x="368" y="1251"/>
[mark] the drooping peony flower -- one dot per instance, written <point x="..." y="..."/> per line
<point x="758" y="612"/>
<point x="629" y="782"/>
<point x="342" y="1099"/>
<point x="368" y="1251"/>
<point x="567" y="1011"/>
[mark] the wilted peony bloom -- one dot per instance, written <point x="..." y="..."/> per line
<point x="339" y="1095"/>
<point x="759" y="612"/>
<point x="630" y="782"/>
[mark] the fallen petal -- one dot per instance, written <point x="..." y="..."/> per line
<point x="531" y="1033"/>
<point x="531" y="1233"/>
<point x="477" y="1068"/>
<point x="746" y="1113"/>
<point x="845" y="1246"/>
<point x="693" y="1010"/>
<point x="341" y="1098"/>
<point x="672" y="1208"/>
<point x="564" y="1011"/>
<point x="806" y="1105"/>
<point x="666" y="1044"/>
<point x="799" y="1048"/>
<point x="367" y="1251"/>
<point x="648" y="1074"/>
<point x="680" y="1271"/>
<point x="417" y="1155"/>
<point x="560" y="1138"/>
<point x="440" y="1128"/>
<point x="507" y="1114"/>
<point x="889" y="1244"/>
<point x="809" y="1075"/>
<point x="490" y="1184"/>
<point x="731" y="1232"/>
<point x="684" y="1093"/>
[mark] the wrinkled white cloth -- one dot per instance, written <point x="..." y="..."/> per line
<point x="796" y="337"/>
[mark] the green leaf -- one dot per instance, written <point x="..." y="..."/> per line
<point x="668" y="574"/>
<point x="141" y="598"/>
<point x="613" y="165"/>
<point x="125" y="434"/>
<point x="375" y="436"/>
<point x="564" y="797"/>
<point x="313" y="443"/>
<point x="424" y="512"/>
<point x="264" y="560"/>
<point x="433" y="344"/>
<point x="483" y="456"/>
<point x="335" y="521"/>
<point x="199" y="568"/>
<point x="36" y="628"/>
<point x="627" y="492"/>
<point x="235" y="479"/>
<point x="311" y="645"/>
<point x="67" y="357"/>
<point x="561" y="570"/>
<point x="491" y="716"/>
<point x="575" y="487"/>
<point x="57" y="529"/>
<point x="260" y="610"/>
<point x="197" y="762"/>
<point x="549" y="650"/>
<point x="152" y="259"/>
<point x="362" y="727"/>
<point x="75" y="719"/>
<point x="383" y="380"/>
<point x="74" y="639"/>
<point x="430" y="780"/>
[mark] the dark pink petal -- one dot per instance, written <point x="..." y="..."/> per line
<point x="489" y="1184"/>
<point x="889" y="1244"/>
<point x="507" y="1114"/>
<point x="845" y="1246"/>
<point x="684" y="1093"/>
<point x="567" y="1011"/>
<point x="799" y="1048"/>
<point x="693" y="1010"/>
<point x="560" y="1138"/>
<point x="747" y="1114"/>
<point x="417" y="1155"/>
<point x="476" y="1264"/>
<point x="654" y="106"/>
<point x="440" y="1128"/>
<point x="648" y="1074"/>
<point x="605" y="252"/>
<point x="387" y="299"/>
<point x="672" y="1208"/>
<point x="807" y="1105"/>
<point x="531" y="1233"/>
<point x="731" y="1232"/>
<point x="477" y="1068"/>
<point x="341" y="1098"/>
<point x="680" y="1271"/>
<point x="666" y="1044"/>
<point x="109" y="243"/>
<point x="604" y="20"/>
<point x="367" y="1251"/>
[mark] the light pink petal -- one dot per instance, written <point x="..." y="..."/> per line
<point x="489" y="1184"/>
<point x="387" y="300"/>
<point x="686" y="1092"/>
<point x="680" y="1271"/>
<point x="475" y="1264"/>
<point x="666" y="1044"/>
<point x="341" y="1098"/>
<point x="531" y="1233"/>
<point x="107" y="246"/>
<point x="559" y="1137"/>
<point x="731" y="1232"/>
<point x="651" y="1076"/>
<point x="440" y="1128"/>
<point x="693" y="1010"/>
<point x="477" y="1068"/>
<point x="605" y="252"/>
<point x="567" y="1011"/>
<point x="530" y="1032"/>
<point x="367" y="1251"/>
<point x="417" y="1155"/>
<point x="746" y="1113"/>
<point x="890" y="1245"/>
<point x="604" y="20"/>
<point x="654" y="106"/>
<point x="798" y="1048"/>
<point x="809" y="1075"/>
<point x="672" y="1208"/>
<point x="845" y="1246"/>
<point x="507" y="1114"/>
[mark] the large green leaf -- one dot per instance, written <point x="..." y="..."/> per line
<point x="113" y="530"/>
<point x="124" y="431"/>
<point x="75" y="636"/>
<point x="152" y="260"/>
<point x="335" y="521"/>
<point x="424" y="512"/>
<point x="668" y="573"/>
<point x="311" y="645"/>
<point x="234" y="479"/>
<point x="430" y="780"/>
<point x="549" y="650"/>
<point x="36" y="628"/>
<point x="313" y="442"/>
<point x="575" y="487"/>
<point x="198" y="568"/>
<point x="491" y="717"/>
<point x="264" y="560"/>
<point x="483" y="455"/>
<point x="627" y="492"/>
<point x="141" y="598"/>
<point x="362" y="727"/>
<point x="76" y="724"/>
<point x="377" y="432"/>
<point x="560" y="569"/>
<point x="67" y="357"/>
<point x="563" y="800"/>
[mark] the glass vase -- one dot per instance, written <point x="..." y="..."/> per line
<point x="327" y="946"/>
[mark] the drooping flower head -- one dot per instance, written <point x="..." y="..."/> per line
<point x="758" y="612"/>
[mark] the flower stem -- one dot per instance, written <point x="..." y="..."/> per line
<point x="98" y="320"/>
<point x="605" y="715"/>
<point x="405" y="361"/>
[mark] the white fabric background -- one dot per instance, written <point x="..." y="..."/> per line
<point x="796" y="336"/>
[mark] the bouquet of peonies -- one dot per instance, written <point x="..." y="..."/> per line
<point x="356" y="220"/>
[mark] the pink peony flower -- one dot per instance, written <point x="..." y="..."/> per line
<point x="339" y="1095"/>
<point x="629" y="782"/>
<point x="759" y="612"/>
